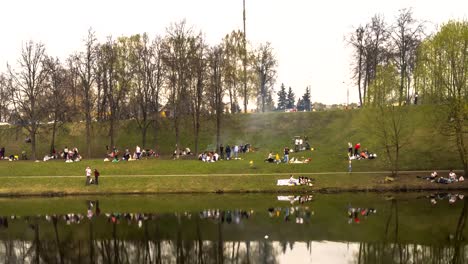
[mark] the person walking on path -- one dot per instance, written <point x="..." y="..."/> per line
<point x="96" y="176"/>
<point x="88" y="175"/>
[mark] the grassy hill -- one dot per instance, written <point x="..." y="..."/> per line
<point x="328" y="133"/>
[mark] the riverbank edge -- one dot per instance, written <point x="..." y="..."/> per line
<point x="325" y="190"/>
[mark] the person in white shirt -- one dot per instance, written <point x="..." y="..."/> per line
<point x="88" y="175"/>
<point x="138" y="151"/>
<point x="452" y="175"/>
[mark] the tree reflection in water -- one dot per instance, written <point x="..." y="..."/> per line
<point x="282" y="233"/>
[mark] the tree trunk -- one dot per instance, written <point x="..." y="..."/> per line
<point x="177" y="135"/>
<point x="360" y="75"/>
<point x="402" y="82"/>
<point x="33" y="143"/>
<point x="196" y="134"/>
<point x="52" y="144"/>
<point x="144" y="130"/>
<point x="88" y="134"/>
<point x="218" y="129"/>
<point x="155" y="131"/>
<point x="460" y="138"/>
<point x="111" y="130"/>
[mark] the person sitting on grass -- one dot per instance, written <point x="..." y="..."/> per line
<point x="270" y="158"/>
<point x="277" y="159"/>
<point x="293" y="181"/>
<point x="126" y="155"/>
<point x="452" y="176"/>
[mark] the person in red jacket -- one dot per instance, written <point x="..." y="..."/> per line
<point x="356" y="149"/>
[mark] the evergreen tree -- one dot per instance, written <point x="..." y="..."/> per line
<point x="300" y="104"/>
<point x="282" y="100"/>
<point x="291" y="99"/>
<point x="306" y="100"/>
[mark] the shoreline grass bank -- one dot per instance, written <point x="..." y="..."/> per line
<point x="15" y="186"/>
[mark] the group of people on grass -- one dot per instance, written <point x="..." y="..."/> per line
<point x="208" y="156"/>
<point x="225" y="153"/>
<point x="181" y="152"/>
<point x="452" y="177"/>
<point x="67" y="154"/>
<point x="285" y="159"/>
<point x="139" y="153"/>
<point x="295" y="182"/>
<point x="358" y="153"/>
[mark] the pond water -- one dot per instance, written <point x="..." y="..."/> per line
<point x="243" y="228"/>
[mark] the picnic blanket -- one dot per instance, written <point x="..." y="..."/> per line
<point x="287" y="182"/>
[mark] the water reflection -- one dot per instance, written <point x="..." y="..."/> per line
<point x="406" y="230"/>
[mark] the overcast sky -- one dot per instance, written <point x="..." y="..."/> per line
<point x="307" y="36"/>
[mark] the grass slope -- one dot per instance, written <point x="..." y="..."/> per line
<point x="328" y="133"/>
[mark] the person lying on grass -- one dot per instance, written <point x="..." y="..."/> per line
<point x="431" y="178"/>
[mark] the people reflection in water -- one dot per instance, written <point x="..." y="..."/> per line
<point x="355" y="213"/>
<point x="300" y="214"/>
<point x="228" y="216"/>
<point x="452" y="198"/>
<point x="3" y="222"/>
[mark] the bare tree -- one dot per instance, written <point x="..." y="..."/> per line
<point x="119" y="60"/>
<point x="265" y="63"/>
<point x="5" y="98"/>
<point x="144" y="67"/>
<point x="156" y="82"/>
<point x="84" y="63"/>
<point x="176" y="53"/>
<point x="233" y="67"/>
<point x="406" y="36"/>
<point x="197" y="88"/>
<point x="216" y="88"/>
<point x="357" y="42"/>
<point x="29" y="89"/>
<point x="57" y="104"/>
<point x="376" y="51"/>
<point x="391" y="124"/>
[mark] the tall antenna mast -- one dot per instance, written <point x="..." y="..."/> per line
<point x="245" y="60"/>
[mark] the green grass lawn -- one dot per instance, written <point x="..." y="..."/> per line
<point x="328" y="133"/>
<point x="128" y="184"/>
